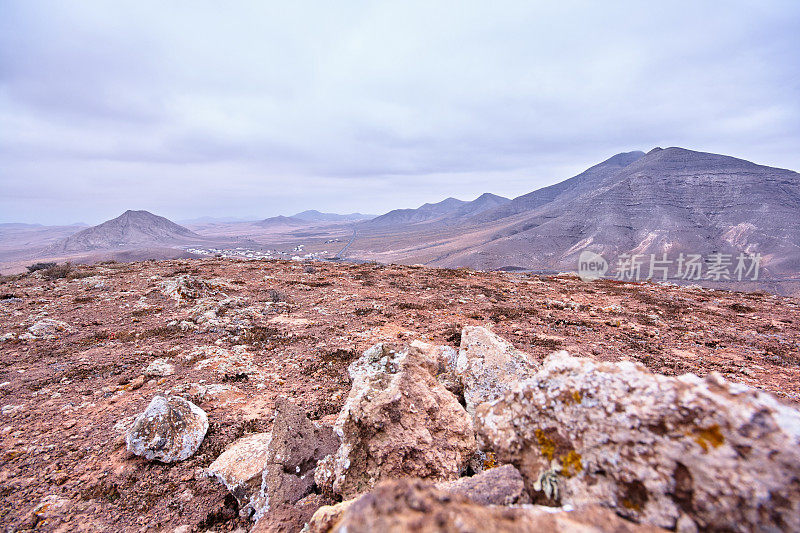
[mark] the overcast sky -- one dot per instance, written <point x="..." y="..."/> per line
<point x="263" y="108"/>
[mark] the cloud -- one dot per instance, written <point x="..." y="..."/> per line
<point x="269" y="108"/>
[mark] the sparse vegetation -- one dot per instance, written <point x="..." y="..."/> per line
<point x="57" y="271"/>
<point x="275" y="296"/>
<point x="410" y="305"/>
<point x="262" y="335"/>
<point x="39" y="266"/>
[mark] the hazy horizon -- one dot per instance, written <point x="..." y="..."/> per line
<point x="263" y="110"/>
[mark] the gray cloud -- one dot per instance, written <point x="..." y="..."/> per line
<point x="270" y="108"/>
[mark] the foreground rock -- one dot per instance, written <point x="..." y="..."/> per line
<point x="498" y="486"/>
<point x="413" y="505"/>
<point x="398" y="421"/>
<point x="440" y="361"/>
<point x="240" y="467"/>
<point x="170" y="429"/>
<point x="488" y="366"/>
<point x="297" y="445"/>
<point x="668" y="451"/>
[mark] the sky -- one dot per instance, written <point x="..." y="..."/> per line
<point x="255" y="109"/>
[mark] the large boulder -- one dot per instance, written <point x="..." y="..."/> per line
<point x="675" y="452"/>
<point x="240" y="467"/>
<point x="170" y="429"/>
<point x="297" y="445"/>
<point x="488" y="366"/>
<point x="413" y="505"/>
<point x="398" y="421"/>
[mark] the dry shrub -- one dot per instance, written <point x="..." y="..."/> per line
<point x="261" y="335"/>
<point x="39" y="266"/>
<point x="410" y="305"/>
<point x="741" y="308"/>
<point x="146" y="311"/>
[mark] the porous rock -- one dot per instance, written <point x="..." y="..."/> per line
<point x="670" y="451"/>
<point x="488" y="366"/>
<point x="170" y="429"/>
<point x="240" y="466"/>
<point x="414" y="505"/>
<point x="440" y="361"/>
<point x="297" y="445"/>
<point x="398" y="421"/>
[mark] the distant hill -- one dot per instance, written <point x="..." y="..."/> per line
<point x="215" y="220"/>
<point x="316" y="216"/>
<point x="450" y="209"/>
<point x="280" y="221"/>
<point x="132" y="229"/>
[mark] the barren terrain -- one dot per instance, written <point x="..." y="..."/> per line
<point x="77" y="361"/>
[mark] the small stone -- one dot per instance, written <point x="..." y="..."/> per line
<point x="170" y="429"/>
<point x="159" y="368"/>
<point x="48" y="328"/>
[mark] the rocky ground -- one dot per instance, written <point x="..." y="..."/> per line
<point x="82" y="356"/>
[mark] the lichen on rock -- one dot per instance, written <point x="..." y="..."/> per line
<point x="170" y="429"/>
<point x="656" y="449"/>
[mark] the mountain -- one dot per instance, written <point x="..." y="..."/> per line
<point x="313" y="215"/>
<point x="280" y="221"/>
<point x="672" y="200"/>
<point x="669" y="200"/>
<point x="132" y="229"/>
<point x="583" y="182"/>
<point x="449" y="210"/>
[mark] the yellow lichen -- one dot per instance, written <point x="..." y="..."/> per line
<point x="490" y="461"/>
<point x="571" y="464"/>
<point x="709" y="436"/>
<point x="546" y="445"/>
<point x="577" y="396"/>
<point x="628" y="504"/>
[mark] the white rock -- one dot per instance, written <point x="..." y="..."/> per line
<point x="170" y="429"/>
<point x="159" y="368"/>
